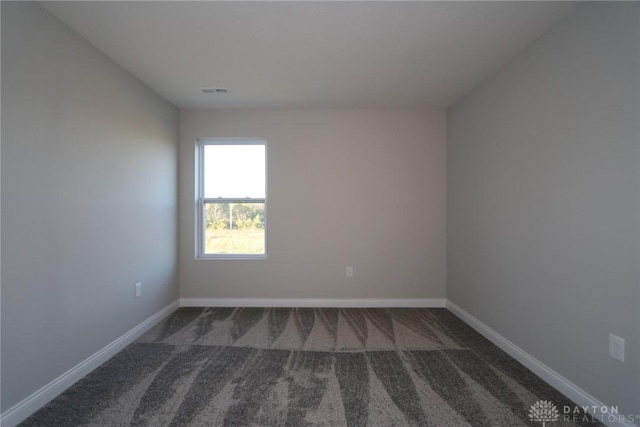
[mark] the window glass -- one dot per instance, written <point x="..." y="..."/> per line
<point x="232" y="199"/>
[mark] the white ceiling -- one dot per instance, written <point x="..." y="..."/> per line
<point x="311" y="54"/>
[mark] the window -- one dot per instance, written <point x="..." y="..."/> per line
<point x="232" y="198"/>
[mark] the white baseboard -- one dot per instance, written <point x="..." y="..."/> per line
<point x="557" y="381"/>
<point x="23" y="409"/>
<point x="314" y="302"/>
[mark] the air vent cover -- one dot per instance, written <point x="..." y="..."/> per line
<point x="219" y="90"/>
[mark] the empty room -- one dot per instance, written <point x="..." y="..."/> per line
<point x="363" y="213"/>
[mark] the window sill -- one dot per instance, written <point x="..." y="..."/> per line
<point x="238" y="257"/>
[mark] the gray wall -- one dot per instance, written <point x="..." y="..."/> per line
<point x="543" y="206"/>
<point x="89" y="162"/>
<point x="346" y="187"/>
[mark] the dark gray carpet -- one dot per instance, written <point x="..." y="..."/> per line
<point x="302" y="367"/>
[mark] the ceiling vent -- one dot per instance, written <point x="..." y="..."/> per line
<point x="219" y="90"/>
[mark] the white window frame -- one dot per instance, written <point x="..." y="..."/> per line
<point x="201" y="200"/>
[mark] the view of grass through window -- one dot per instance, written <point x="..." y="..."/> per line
<point x="234" y="228"/>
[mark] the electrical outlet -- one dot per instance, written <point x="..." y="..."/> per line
<point x="616" y="347"/>
<point x="349" y="271"/>
<point x="138" y="290"/>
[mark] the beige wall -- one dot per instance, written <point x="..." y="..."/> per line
<point x="89" y="180"/>
<point x="359" y="188"/>
<point x="543" y="212"/>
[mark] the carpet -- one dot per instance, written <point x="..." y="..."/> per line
<point x="309" y="367"/>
